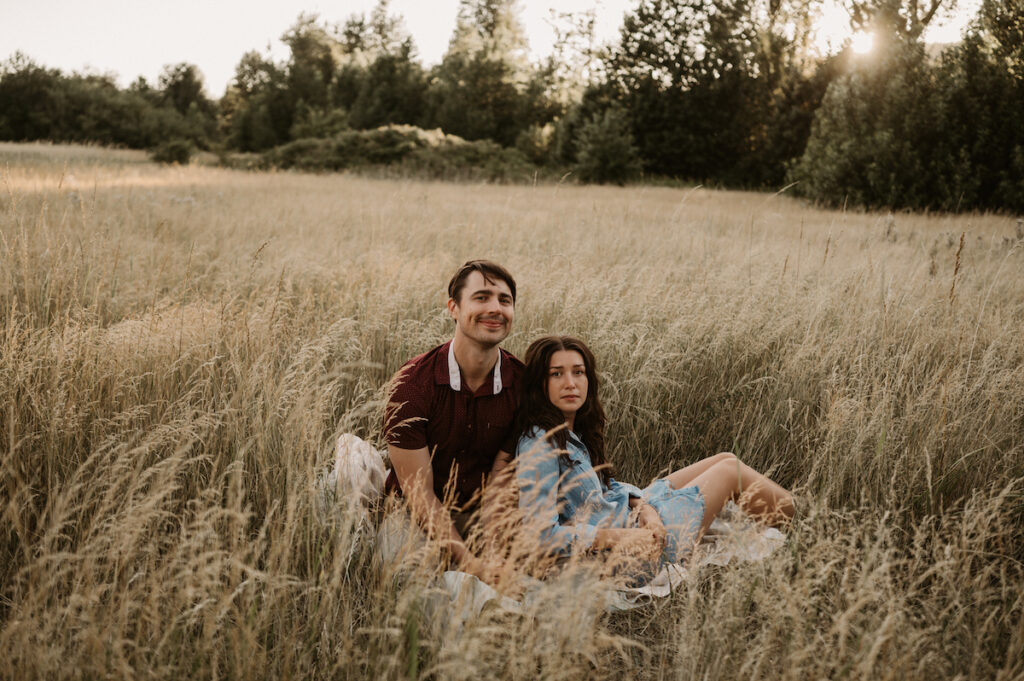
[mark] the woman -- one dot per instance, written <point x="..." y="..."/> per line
<point x="566" y="488"/>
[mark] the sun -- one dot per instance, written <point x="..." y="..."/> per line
<point x="862" y="42"/>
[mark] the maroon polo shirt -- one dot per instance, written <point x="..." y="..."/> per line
<point x="431" y="407"/>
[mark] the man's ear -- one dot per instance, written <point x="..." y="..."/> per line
<point x="451" y="307"/>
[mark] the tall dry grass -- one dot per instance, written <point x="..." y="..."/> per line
<point x="180" y="347"/>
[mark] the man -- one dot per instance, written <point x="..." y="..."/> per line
<point x="451" y="411"/>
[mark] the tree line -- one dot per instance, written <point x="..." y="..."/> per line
<point x="718" y="92"/>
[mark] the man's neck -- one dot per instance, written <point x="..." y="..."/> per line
<point x="474" y="360"/>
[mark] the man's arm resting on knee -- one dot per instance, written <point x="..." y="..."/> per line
<point x="496" y="490"/>
<point x="416" y="477"/>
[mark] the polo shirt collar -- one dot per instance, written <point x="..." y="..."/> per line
<point x="455" y="375"/>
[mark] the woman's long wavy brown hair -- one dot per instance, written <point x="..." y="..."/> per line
<point x="535" y="409"/>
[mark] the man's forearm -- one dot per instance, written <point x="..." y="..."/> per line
<point x="430" y="514"/>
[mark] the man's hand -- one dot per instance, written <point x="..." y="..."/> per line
<point x="499" y="575"/>
<point x="412" y="467"/>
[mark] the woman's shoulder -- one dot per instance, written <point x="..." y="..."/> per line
<point x="530" y="439"/>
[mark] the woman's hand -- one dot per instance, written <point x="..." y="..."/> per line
<point x="649" y="519"/>
<point x="638" y="543"/>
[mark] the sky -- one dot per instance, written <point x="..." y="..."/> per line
<point x="139" y="37"/>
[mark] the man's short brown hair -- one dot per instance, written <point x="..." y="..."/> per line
<point x="489" y="270"/>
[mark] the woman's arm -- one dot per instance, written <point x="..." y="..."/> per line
<point x="647" y="517"/>
<point x="635" y="542"/>
<point x="538" y="475"/>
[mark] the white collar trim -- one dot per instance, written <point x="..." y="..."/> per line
<point x="455" y="375"/>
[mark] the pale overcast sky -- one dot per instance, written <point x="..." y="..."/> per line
<point x="139" y="37"/>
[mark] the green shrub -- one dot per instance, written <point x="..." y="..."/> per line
<point x="174" y="151"/>
<point x="908" y="131"/>
<point x="606" y="153"/>
<point x="317" y="122"/>
<point x="408" y="149"/>
<point x="536" y="143"/>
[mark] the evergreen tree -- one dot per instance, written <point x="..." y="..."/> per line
<point x="181" y="87"/>
<point x="719" y="91"/>
<point x="257" y="110"/>
<point x="480" y="88"/>
<point x="902" y="131"/>
<point x="606" y="151"/>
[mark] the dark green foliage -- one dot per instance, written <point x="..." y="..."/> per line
<point x="392" y="90"/>
<point x="30" y="98"/>
<point x="484" y="88"/>
<point x="348" y="149"/>
<point x="361" y="75"/>
<point x="904" y="131"/>
<point x="257" y="110"/>
<point x="410" y="150"/>
<point x="173" y="151"/>
<point x="536" y="142"/>
<point x="1003" y="22"/>
<point x="312" y="122"/>
<point x="311" y="66"/>
<point x="38" y="103"/>
<point x="606" y="151"/>
<point x="873" y="141"/>
<point x="475" y="98"/>
<point x="482" y="160"/>
<point x="721" y="92"/>
<point x="717" y="92"/>
<point x="181" y="88"/>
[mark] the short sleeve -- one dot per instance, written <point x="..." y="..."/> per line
<point x="405" y="417"/>
<point x="538" y="476"/>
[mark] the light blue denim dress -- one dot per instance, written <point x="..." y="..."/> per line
<point x="564" y="496"/>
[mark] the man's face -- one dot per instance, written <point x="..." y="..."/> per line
<point x="484" y="311"/>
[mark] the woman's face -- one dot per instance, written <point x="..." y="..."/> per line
<point x="567" y="382"/>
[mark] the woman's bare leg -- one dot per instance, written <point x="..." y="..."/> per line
<point x="685" y="476"/>
<point x="729" y="478"/>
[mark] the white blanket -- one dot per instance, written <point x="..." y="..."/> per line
<point x="731" y="537"/>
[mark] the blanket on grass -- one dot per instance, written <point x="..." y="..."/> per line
<point x="356" y="480"/>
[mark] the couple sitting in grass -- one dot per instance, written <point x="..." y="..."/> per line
<point x="468" y="411"/>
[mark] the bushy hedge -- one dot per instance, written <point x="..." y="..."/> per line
<point x="173" y="151"/>
<point x="912" y="131"/>
<point x="37" y="103"/>
<point x="405" y="149"/>
<point x="607" y="153"/>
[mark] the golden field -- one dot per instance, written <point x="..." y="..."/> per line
<point x="180" y="347"/>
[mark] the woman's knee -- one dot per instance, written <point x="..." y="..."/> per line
<point x="730" y="472"/>
<point x="725" y="457"/>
